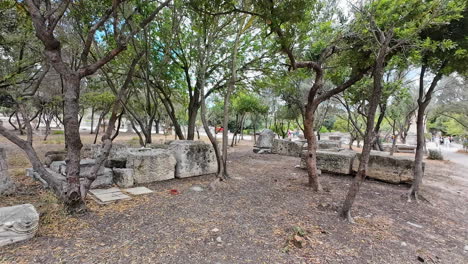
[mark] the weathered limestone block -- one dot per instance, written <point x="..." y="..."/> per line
<point x="406" y="148"/>
<point x="151" y="165"/>
<point x="265" y="139"/>
<point x="287" y="147"/>
<point x="339" y="162"/>
<point x="7" y="186"/>
<point x="52" y="156"/>
<point x="18" y="223"/>
<point x="328" y="144"/>
<point x="104" y="175"/>
<point x="123" y="177"/>
<point x="194" y="158"/>
<point x="393" y="169"/>
<point x="117" y="151"/>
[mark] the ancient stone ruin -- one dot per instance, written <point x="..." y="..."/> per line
<point x="17" y="223"/>
<point x="6" y="184"/>
<point x="127" y="167"/>
<point x="264" y="142"/>
<point x="287" y="147"/>
<point x="381" y="167"/>
<point x="194" y="158"/>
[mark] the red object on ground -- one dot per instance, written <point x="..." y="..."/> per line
<point x="174" y="192"/>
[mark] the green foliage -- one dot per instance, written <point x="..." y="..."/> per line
<point x="247" y="103"/>
<point x="435" y="154"/>
<point x="98" y="100"/>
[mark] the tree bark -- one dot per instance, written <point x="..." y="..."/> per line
<point x="311" y="147"/>
<point x="369" y="135"/>
<point x="92" y="120"/>
<point x="72" y="137"/>
<point x="424" y="98"/>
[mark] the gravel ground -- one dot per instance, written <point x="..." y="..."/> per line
<point x="252" y="218"/>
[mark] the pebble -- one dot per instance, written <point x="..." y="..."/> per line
<point x="466" y="248"/>
<point x="219" y="240"/>
<point x="215" y="230"/>
<point x="403" y="244"/>
<point x="196" y="188"/>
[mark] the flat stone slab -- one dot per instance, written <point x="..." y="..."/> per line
<point x="138" y="190"/>
<point x="18" y="223"/>
<point x="194" y="158"/>
<point x="105" y="196"/>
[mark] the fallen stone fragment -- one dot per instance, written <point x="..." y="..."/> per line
<point x="138" y="190"/>
<point x="18" y="223"/>
<point x="196" y="188"/>
<point x="105" y="196"/>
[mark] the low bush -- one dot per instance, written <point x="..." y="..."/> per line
<point x="435" y="154"/>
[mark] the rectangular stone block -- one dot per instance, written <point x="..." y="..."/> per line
<point x="151" y="165"/>
<point x="123" y="177"/>
<point x="393" y="169"/>
<point x="287" y="147"/>
<point x="328" y="144"/>
<point x="104" y="176"/>
<point x="18" y="223"/>
<point x="194" y="158"/>
<point x="340" y="162"/>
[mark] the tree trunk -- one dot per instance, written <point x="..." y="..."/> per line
<point x="369" y="136"/>
<point x="392" y="150"/>
<point x="193" y="111"/>
<point x="20" y="126"/>
<point x="210" y="135"/>
<point x="92" y="120"/>
<point x="423" y="101"/>
<point x="98" y="128"/>
<point x="72" y="137"/>
<point x="11" y="122"/>
<point x="309" y="134"/>
<point x="47" y="121"/>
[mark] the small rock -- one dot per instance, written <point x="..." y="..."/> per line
<point x="219" y="240"/>
<point x="413" y="224"/>
<point x="403" y="244"/>
<point x="465" y="248"/>
<point x="196" y="189"/>
<point x="215" y="230"/>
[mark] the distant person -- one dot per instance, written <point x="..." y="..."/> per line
<point x="437" y="141"/>
<point x="446" y="142"/>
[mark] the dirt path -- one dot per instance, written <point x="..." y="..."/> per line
<point x="251" y="218"/>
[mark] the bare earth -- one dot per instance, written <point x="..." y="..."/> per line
<point x="251" y="218"/>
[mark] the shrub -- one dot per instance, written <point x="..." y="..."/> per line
<point x="58" y="132"/>
<point x="435" y="154"/>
